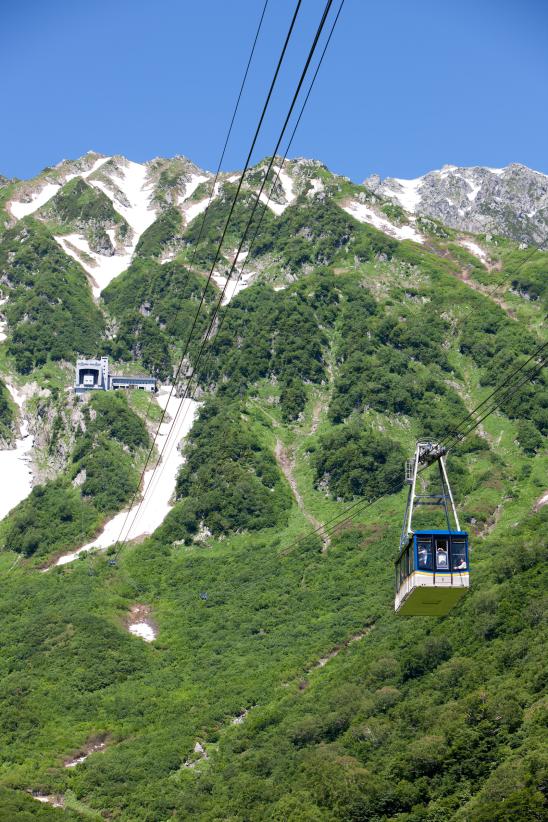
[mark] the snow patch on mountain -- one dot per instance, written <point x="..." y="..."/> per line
<point x="277" y="208"/>
<point x="365" y="214"/>
<point x="287" y="184"/>
<point x="15" y="471"/>
<point x="100" y="269"/>
<point x="191" y="186"/>
<point x="131" y="179"/>
<point x="408" y="193"/>
<point x="475" y="249"/>
<point x="192" y="210"/>
<point x="20" y="210"/>
<point x="317" y="187"/>
<point x="46" y="191"/>
<point x="158" y="487"/>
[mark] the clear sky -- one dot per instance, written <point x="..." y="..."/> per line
<point x="406" y="86"/>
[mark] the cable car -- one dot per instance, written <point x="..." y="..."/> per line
<point x="432" y="568"/>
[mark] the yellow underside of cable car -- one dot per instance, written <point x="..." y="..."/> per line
<point x="418" y="595"/>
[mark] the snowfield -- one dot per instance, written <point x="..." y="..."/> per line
<point x="143" y="630"/>
<point x="235" y="285"/>
<point x="131" y="179"/>
<point x="277" y="208"/>
<point x="159" y="490"/>
<point x="192" y="210"/>
<point x="366" y="215"/>
<point x="15" y="472"/>
<point x="191" y="186"/>
<point x="409" y="196"/>
<point x="104" y="269"/>
<point x="287" y="184"/>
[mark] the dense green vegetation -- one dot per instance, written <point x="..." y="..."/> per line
<point x="215" y="220"/>
<point x="527" y="272"/>
<point x="278" y="336"/>
<point x="315" y="233"/>
<point x="6" y="414"/>
<point x="157" y="236"/>
<point x="79" y="206"/>
<point x="78" y="203"/>
<point x="229" y="481"/>
<point x="356" y="462"/>
<point x="425" y="720"/>
<point x="101" y="477"/>
<point x="51" y="314"/>
<point x="155" y="306"/>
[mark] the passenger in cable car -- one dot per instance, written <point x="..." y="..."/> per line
<point x="441" y="556"/>
<point x="425" y="556"/>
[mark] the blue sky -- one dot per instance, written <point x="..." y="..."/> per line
<point x="405" y="87"/>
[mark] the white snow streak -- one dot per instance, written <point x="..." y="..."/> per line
<point x="191" y="186"/>
<point x="105" y="268"/>
<point x="473" y="193"/>
<point x="191" y="211"/>
<point x="475" y="249"/>
<point x="287" y="184"/>
<point x="72" y="763"/>
<point x="366" y="215"/>
<point x="20" y="210"/>
<point x="15" y="473"/>
<point x="159" y="492"/>
<point x="317" y="187"/>
<point x="44" y="194"/>
<point x="142" y="630"/>
<point x="235" y="285"/>
<point x="277" y="208"/>
<point x="131" y="180"/>
<point x="409" y="196"/>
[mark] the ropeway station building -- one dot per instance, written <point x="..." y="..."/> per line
<point x="94" y="375"/>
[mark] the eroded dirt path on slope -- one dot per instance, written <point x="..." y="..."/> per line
<point x="286" y="460"/>
<point x="464" y="276"/>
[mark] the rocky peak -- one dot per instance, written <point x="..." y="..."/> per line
<point x="512" y="201"/>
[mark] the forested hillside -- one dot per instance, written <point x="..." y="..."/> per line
<point x="276" y="683"/>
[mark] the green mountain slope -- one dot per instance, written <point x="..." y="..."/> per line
<point x="280" y="684"/>
<point x="50" y="312"/>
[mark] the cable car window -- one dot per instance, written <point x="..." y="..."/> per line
<point x="424" y="551"/>
<point x="458" y="554"/>
<point x="406" y="565"/>
<point x="400" y="571"/>
<point x="442" y="555"/>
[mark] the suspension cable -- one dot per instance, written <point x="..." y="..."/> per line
<point x="219" y="302"/>
<point x="195" y="320"/>
<point x="265" y="205"/>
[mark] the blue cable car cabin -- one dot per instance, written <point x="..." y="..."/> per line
<point x="432" y="572"/>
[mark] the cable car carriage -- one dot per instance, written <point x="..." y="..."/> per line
<point x="432" y="570"/>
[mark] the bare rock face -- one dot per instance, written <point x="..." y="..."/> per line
<point x="511" y="201"/>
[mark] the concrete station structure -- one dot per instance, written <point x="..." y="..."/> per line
<point x="94" y="375"/>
